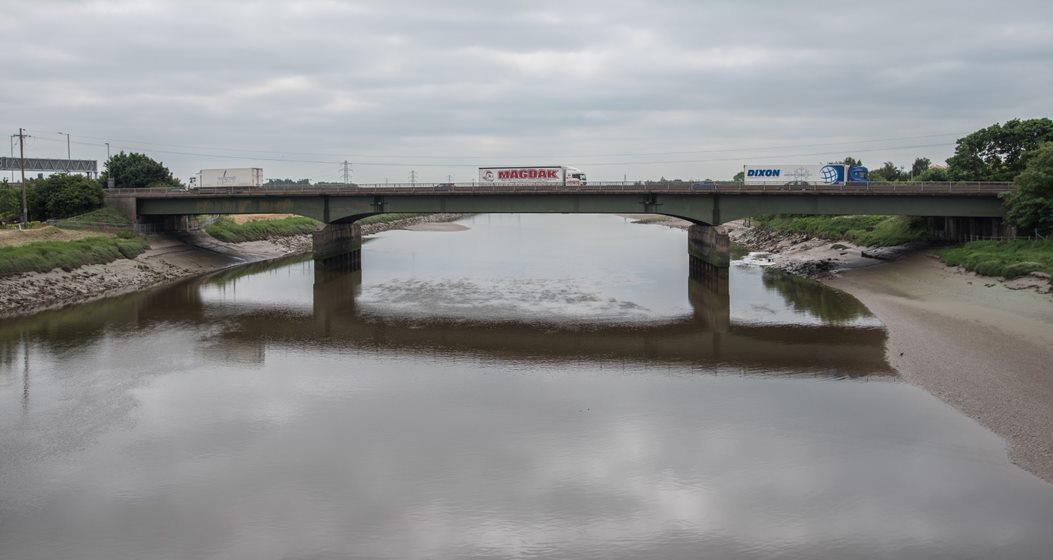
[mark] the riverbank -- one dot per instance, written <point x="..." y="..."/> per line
<point x="980" y="344"/>
<point x="170" y="258"/>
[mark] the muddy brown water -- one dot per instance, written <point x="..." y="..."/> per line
<point x="533" y="386"/>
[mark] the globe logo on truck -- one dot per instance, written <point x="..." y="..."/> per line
<point x="488" y="175"/>
<point x="830" y="174"/>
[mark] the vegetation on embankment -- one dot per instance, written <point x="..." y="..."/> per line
<point x="43" y="256"/>
<point x="1006" y="258"/>
<point x="228" y="230"/>
<point x="384" y="218"/>
<point x="871" y="231"/>
<point x="104" y="216"/>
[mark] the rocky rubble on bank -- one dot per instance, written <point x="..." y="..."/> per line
<point x="816" y="258"/>
<point x="26" y="293"/>
<point x="806" y="255"/>
<point x="377" y="227"/>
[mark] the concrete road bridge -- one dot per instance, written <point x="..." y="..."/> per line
<point x="959" y="209"/>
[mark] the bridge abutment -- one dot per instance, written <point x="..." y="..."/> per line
<point x="951" y="228"/>
<point x="709" y="252"/>
<point x="338" y="247"/>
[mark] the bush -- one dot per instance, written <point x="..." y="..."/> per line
<point x="1009" y="259"/>
<point x="43" y="256"/>
<point x="227" y="230"/>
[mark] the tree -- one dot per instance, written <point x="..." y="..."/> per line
<point x="10" y="202"/>
<point x="1031" y="205"/>
<point x="739" y="177"/>
<point x="852" y="162"/>
<point x="287" y="182"/>
<point x="1000" y="151"/>
<point x="62" y="196"/>
<point x="136" y="171"/>
<point x="933" y="174"/>
<point x="888" y="172"/>
<point x="919" y="166"/>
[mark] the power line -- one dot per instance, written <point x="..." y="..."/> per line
<point x="469" y="163"/>
<point x="491" y="156"/>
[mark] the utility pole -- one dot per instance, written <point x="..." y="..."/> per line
<point x="413" y="176"/>
<point x="107" y="151"/>
<point x="22" y="168"/>
<point x="347" y="172"/>
<point x="449" y="179"/>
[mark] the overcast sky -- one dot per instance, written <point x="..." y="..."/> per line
<point x="687" y="89"/>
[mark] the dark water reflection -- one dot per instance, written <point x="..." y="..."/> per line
<point x="437" y="404"/>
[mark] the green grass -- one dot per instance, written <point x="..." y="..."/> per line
<point x="226" y="230"/>
<point x="104" y="216"/>
<point x="871" y="231"/>
<point x="1008" y="258"/>
<point x="43" y="256"/>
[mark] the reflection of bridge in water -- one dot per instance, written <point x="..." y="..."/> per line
<point x="706" y="338"/>
<point x="242" y="332"/>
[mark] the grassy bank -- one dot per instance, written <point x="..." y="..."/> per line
<point x="43" y="256"/>
<point x="871" y="231"/>
<point x="104" y="216"/>
<point x="1009" y="259"/>
<point x="227" y="230"/>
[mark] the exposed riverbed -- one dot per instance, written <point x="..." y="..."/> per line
<point x="546" y="386"/>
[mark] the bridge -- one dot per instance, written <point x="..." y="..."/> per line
<point x="972" y="208"/>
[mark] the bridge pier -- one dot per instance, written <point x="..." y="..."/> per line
<point x="709" y="253"/>
<point x="338" y="247"/>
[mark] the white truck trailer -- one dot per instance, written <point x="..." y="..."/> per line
<point x="556" y="175"/>
<point x="236" y="177"/>
<point x="806" y="174"/>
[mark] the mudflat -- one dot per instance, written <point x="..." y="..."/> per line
<point x="980" y="346"/>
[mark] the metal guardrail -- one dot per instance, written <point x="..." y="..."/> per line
<point x="918" y="188"/>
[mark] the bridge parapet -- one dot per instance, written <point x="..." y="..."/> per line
<point x="981" y="188"/>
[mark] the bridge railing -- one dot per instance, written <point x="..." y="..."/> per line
<point x="918" y="188"/>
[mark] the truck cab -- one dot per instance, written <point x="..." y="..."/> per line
<point x="573" y="176"/>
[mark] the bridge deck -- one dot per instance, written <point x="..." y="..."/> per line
<point x="981" y="189"/>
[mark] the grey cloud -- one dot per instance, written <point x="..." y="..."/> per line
<point x="408" y="80"/>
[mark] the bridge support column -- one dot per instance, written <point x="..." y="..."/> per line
<point x="338" y="247"/>
<point x="709" y="251"/>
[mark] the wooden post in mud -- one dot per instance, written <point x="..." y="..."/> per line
<point x="338" y="247"/>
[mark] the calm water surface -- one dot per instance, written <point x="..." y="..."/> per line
<point x="534" y="386"/>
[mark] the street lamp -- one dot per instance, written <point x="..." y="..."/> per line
<point x="69" y="155"/>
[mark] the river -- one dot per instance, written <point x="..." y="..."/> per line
<point x="533" y="386"/>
